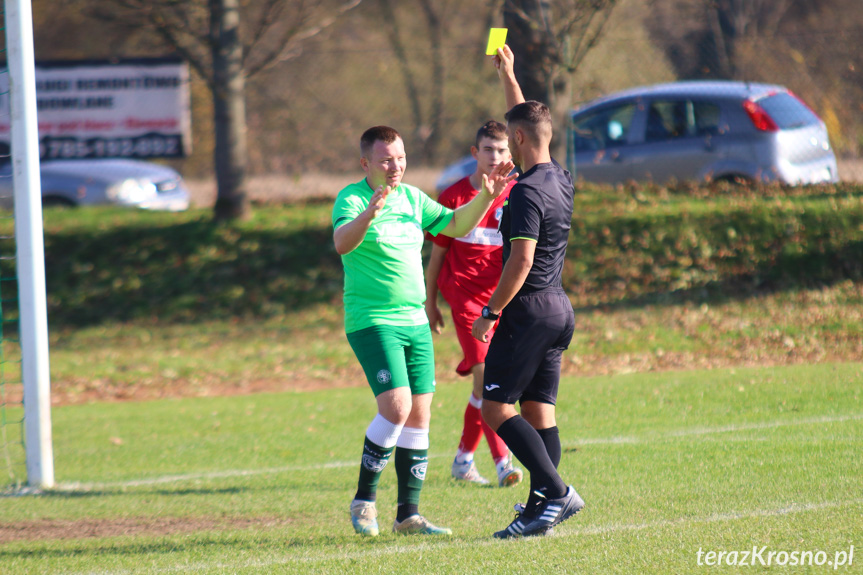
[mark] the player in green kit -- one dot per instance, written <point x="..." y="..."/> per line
<point x="379" y="226"/>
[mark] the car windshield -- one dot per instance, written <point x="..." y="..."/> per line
<point x="787" y="111"/>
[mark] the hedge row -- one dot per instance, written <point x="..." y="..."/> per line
<point x="629" y="245"/>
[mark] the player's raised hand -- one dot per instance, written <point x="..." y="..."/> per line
<point x="495" y="183"/>
<point x="378" y="200"/>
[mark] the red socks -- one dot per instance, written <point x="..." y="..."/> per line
<point x="475" y="427"/>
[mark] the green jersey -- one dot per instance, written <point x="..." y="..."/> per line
<point x="384" y="275"/>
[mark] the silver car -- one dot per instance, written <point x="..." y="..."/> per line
<point x="698" y="130"/>
<point x="105" y="181"/>
<point x="701" y="131"/>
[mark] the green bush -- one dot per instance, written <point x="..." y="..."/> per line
<point x="709" y="241"/>
<point x="628" y="244"/>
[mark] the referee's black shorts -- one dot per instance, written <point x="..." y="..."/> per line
<point x="523" y="360"/>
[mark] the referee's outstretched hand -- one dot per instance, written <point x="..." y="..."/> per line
<point x="504" y="61"/>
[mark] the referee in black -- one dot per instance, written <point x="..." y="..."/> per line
<point x="536" y="317"/>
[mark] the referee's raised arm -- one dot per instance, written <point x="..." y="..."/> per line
<point x="504" y="61"/>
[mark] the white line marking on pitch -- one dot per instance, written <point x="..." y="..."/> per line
<point x="692" y="432"/>
<point x="697" y="431"/>
<point x="421" y="547"/>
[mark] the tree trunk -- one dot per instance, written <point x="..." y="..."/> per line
<point x="532" y="46"/>
<point x="229" y="110"/>
<point x="431" y="145"/>
<point x="538" y="61"/>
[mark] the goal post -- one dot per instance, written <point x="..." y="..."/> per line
<point x="30" y="247"/>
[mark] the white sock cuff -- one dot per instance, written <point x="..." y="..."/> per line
<point x="413" y="438"/>
<point x="382" y="432"/>
<point x="475" y="401"/>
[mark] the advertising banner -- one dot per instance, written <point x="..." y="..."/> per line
<point x="125" y="109"/>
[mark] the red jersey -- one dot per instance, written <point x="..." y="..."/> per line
<point x="474" y="262"/>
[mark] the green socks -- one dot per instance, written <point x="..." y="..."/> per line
<point x="411" y="465"/>
<point x="375" y="458"/>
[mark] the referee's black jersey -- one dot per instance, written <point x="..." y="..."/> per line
<point x="540" y="208"/>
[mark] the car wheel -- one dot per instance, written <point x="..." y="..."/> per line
<point x="57" y="202"/>
<point x="735" y="180"/>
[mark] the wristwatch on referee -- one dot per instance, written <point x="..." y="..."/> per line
<point x="486" y="313"/>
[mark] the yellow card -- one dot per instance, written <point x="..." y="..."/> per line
<point x="496" y="39"/>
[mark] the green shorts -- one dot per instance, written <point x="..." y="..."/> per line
<point x="396" y="356"/>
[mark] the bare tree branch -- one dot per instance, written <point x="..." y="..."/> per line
<point x="286" y="48"/>
<point x="586" y="40"/>
<point x="269" y="15"/>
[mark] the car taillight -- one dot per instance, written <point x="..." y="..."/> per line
<point x="760" y="119"/>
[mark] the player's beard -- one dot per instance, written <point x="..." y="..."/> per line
<point x="515" y="153"/>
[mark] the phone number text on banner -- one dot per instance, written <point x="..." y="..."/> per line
<point x="146" y="146"/>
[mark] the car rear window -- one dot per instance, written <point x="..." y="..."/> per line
<point x="787" y="111"/>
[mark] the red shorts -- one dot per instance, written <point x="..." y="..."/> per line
<point x="465" y="310"/>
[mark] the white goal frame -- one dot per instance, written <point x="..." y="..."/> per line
<point x="30" y="246"/>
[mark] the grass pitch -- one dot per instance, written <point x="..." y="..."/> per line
<point x="669" y="464"/>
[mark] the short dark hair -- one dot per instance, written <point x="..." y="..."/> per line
<point x="383" y="134"/>
<point x="493" y="130"/>
<point x="534" y="118"/>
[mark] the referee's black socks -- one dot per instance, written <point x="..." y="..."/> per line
<point x="528" y="446"/>
<point x="551" y="438"/>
